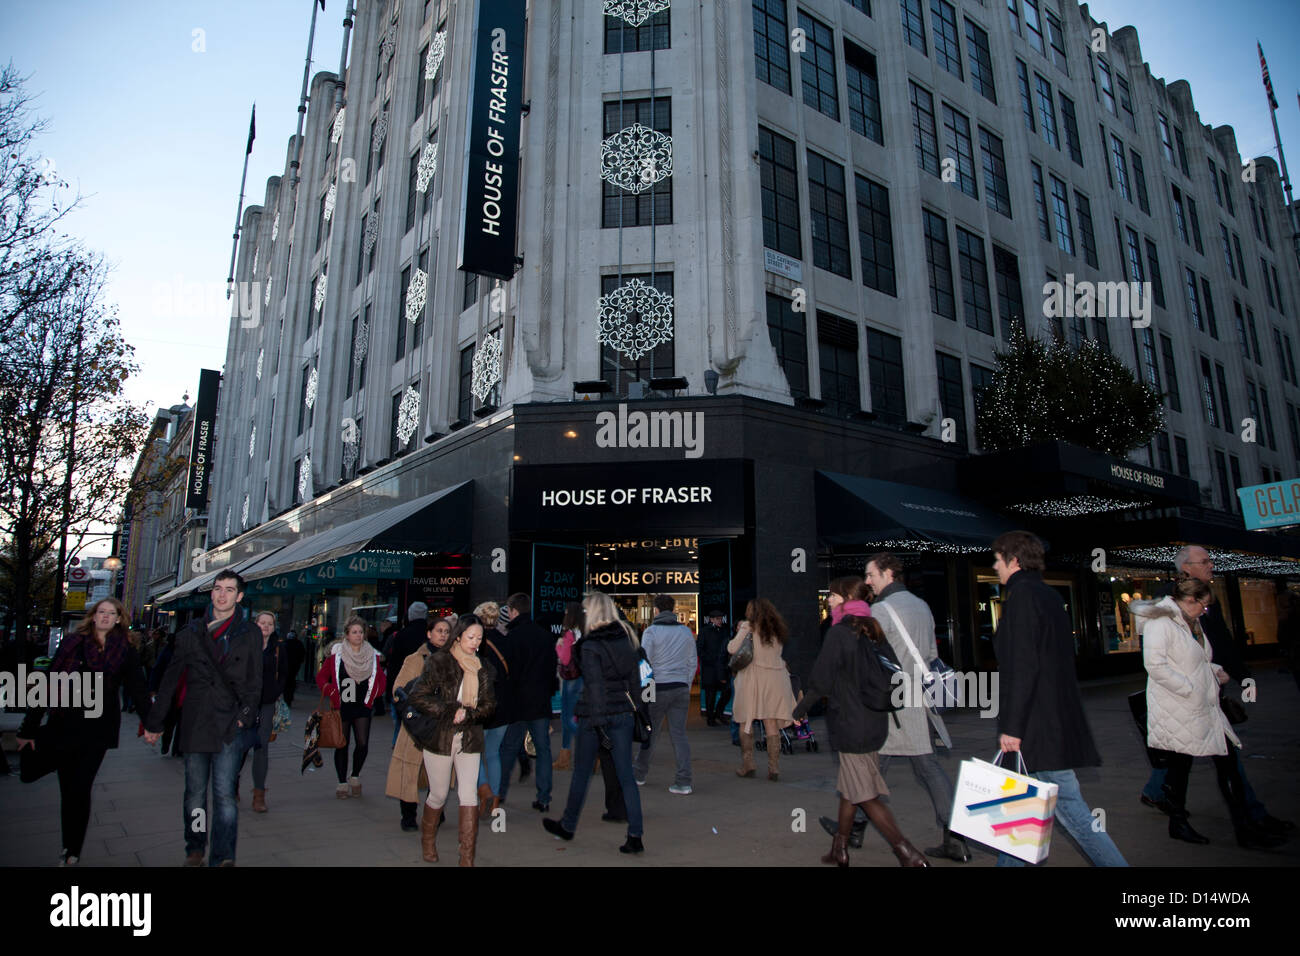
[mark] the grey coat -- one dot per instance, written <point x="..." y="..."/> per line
<point x="911" y="735"/>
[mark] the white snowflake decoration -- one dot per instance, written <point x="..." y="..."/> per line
<point x="350" y="450"/>
<point x="261" y="354"/>
<point x="310" y="398"/>
<point x="266" y="291"/>
<point x="487" y="367"/>
<point x="252" y="442"/>
<point x="636" y="158"/>
<point x="652" y="310"/>
<point x="319" y="298"/>
<point x="635" y="12"/>
<point x="372" y="232"/>
<point x="437" y="50"/>
<point x="336" y="131"/>
<point x="304" y="478"/>
<point x="363" y="342"/>
<point x="424" y="172"/>
<point x="275" y="226"/>
<point x="388" y="44"/>
<point x="330" y="198"/>
<point x="416" y="294"/>
<point x="243" y="514"/>
<point x="381" y="131"/>
<point x="408" y="415"/>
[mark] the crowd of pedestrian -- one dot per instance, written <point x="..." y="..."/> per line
<point x="471" y="698"/>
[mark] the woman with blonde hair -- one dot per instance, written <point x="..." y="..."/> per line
<point x="611" y="674"/>
<point x="763" y="690"/>
<point x="79" y="740"/>
<point x="353" y="679"/>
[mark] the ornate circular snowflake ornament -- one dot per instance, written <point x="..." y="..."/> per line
<point x="437" y="50"/>
<point x="318" y="300"/>
<point x="408" y="415"/>
<point x="487" y="367"/>
<point x="381" y="131"/>
<point x="266" y="291"/>
<point x="363" y="342"/>
<point x="252" y="442"/>
<point x="336" y="131"/>
<point x="636" y="158"/>
<point x="243" y="513"/>
<point x="275" y="226"/>
<point x="310" y="397"/>
<point x="416" y="293"/>
<point x="635" y="318"/>
<point x="428" y="166"/>
<point x="330" y="197"/>
<point x="304" y="478"/>
<point x="635" y="12"/>
<point x="388" y="44"/>
<point x="261" y="354"/>
<point x="372" y="233"/>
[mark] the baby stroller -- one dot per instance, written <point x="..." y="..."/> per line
<point x="800" y="732"/>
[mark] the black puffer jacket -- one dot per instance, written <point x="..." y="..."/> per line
<point x="435" y="692"/>
<point x="610" y="671"/>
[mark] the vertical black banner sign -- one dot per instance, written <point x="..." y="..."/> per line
<point x="559" y="574"/>
<point x="201" y="457"/>
<point x="489" y="216"/>
<point x="715" y="579"/>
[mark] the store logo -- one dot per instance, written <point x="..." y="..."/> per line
<point x="683" y="430"/>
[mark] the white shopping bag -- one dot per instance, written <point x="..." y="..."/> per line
<point x="1008" y="811"/>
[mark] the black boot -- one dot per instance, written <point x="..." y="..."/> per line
<point x="855" y="835"/>
<point x="953" y="848"/>
<point x="1180" y="829"/>
<point x="1250" y="834"/>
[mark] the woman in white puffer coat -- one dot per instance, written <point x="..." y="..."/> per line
<point x="1183" y="712"/>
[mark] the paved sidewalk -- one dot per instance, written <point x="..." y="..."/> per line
<point x="727" y="821"/>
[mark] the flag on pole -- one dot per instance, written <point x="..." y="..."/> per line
<point x="1268" y="84"/>
<point x="252" y="129"/>
<point x="322" y="4"/>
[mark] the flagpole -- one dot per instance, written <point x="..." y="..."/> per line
<point x="1281" y="156"/>
<point x="339" y="99"/>
<point x="302" y="103"/>
<point x="239" y="212"/>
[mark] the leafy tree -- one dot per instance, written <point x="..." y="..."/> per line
<point x="1046" y="391"/>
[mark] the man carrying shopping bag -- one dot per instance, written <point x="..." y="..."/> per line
<point x="1041" y="710"/>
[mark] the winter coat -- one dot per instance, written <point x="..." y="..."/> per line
<point x="1183" y="711"/>
<point x="438" y="693"/>
<point x="331" y="675"/>
<point x="611" y="669"/>
<point x="220" y="694"/>
<point x="275" y="668"/>
<point x="911" y="735"/>
<point x="401" y="643"/>
<point x="669" y="646"/>
<point x="1038" y="693"/>
<point x="532" y="660"/>
<point x="73" y="727"/>
<point x="406" y="776"/>
<point x="763" y="689"/>
<point x="494" y="653"/>
<point x="712" y="644"/>
<point x="836" y="675"/>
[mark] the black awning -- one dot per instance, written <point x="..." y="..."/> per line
<point x="874" y="514"/>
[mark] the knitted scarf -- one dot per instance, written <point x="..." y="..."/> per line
<point x="469" y="665"/>
<point x="854" y="608"/>
<point x="359" y="663"/>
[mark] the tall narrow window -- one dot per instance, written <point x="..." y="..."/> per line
<point x="981" y="62"/>
<point x="1224" y="408"/>
<point x="837" y="353"/>
<point x="464" y="392"/>
<point x="1126" y="102"/>
<point x="779" y="180"/>
<point x="913" y="24"/>
<point x="885" y="366"/>
<point x="772" y="44"/>
<point x="619" y="207"/>
<point x="1254" y="336"/>
<point x="1140" y="181"/>
<point x="1180" y="218"/>
<point x="939" y="265"/>
<point x="1040" y="202"/>
<point x="1026" y="101"/>
<point x="1182" y="151"/>
<point x="864" y="93"/>
<point x="1166" y="139"/>
<point x="828" y="214"/>
<point x="1171" y="374"/>
<point x="1134" y="250"/>
<point x="875" y="236"/>
<point x="401" y="322"/>
<point x="1180" y="453"/>
<point x="973" y="267"/>
<point x="817" y="67"/>
<point x="412" y="195"/>
<point x="1196" y="224"/>
<point x="788" y="332"/>
<point x="1150" y="363"/>
<point x="947" y="46"/>
<point x="997" y="191"/>
<point x="1241" y="260"/>
<point x="1070" y="124"/>
<point x="1208" y="408"/>
<point x="1243" y="343"/>
<point x="952" y="393"/>
<point x="1087" y="238"/>
<point x="1208" y="302"/>
<point x="1121" y="167"/>
<point x="923" y="130"/>
<point x="1061" y="212"/>
<point x="957" y="142"/>
<point x="1056" y="42"/>
<point x="1193" y="299"/>
<point x="1011" y="307"/>
<point x="654" y="33"/>
<point x="1227" y="250"/>
<point x="1106" y="85"/>
<point x="1047" y="112"/>
<point x="1033" y="26"/>
<point x="1153" y="270"/>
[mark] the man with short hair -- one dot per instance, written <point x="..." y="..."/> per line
<point x="1040" y="708"/>
<point x="669" y="646"/>
<point x="1195" y="561"/>
<point x="219" y="658"/>
<point x="533" y="679"/>
<point x="714" y="672"/>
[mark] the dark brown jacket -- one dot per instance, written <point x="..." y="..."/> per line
<point x="436" y="693"/>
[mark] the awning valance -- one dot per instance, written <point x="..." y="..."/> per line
<point x="204" y="581"/>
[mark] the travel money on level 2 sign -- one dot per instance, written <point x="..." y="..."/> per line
<point x="1271" y="506"/>
<point x="201" y="450"/>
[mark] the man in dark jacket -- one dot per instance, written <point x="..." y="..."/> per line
<point x="1040" y="711"/>
<point x="533" y="682"/>
<point x="219" y="656"/>
<point x="714" y="673"/>
<point x="402" y="644"/>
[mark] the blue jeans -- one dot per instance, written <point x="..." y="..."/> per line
<point x="513" y="744"/>
<point x="1154" y="790"/>
<point x="619" y="730"/>
<point x="1073" y="814"/>
<point x="489" y="768"/>
<point x="223" y="769"/>
<point x="568" y="700"/>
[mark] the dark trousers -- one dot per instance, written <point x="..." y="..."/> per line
<point x="614" y="804"/>
<point x="77" y="769"/>
<point x="408" y="810"/>
<point x="1225" y="771"/>
<point x="170" y="723"/>
<point x="716" y="695"/>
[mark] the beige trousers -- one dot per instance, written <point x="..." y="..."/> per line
<point x="439" y="767"/>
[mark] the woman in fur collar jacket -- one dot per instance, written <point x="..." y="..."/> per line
<point x="1184" y="716"/>
<point x="456" y="690"/>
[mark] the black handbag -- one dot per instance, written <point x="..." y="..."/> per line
<point x="419" y="724"/>
<point x="1233" y="709"/>
<point x="43" y="759"/>
<point x="642" y="729"/>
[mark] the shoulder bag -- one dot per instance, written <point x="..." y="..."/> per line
<point x="744" y="655"/>
<point x="331" y="725"/>
<point x="419" y="724"/>
<point x="42" y="757"/>
<point x="940" y="679"/>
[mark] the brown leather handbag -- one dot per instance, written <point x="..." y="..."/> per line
<point x="331" y="725"/>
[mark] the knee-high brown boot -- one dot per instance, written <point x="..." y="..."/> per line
<point x="468" y="834"/>
<point x="774" y="753"/>
<point x="429" y="821"/>
<point x="880" y="815"/>
<point x="746" y="755"/>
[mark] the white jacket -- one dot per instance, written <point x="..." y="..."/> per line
<point x="1183" y="712"/>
